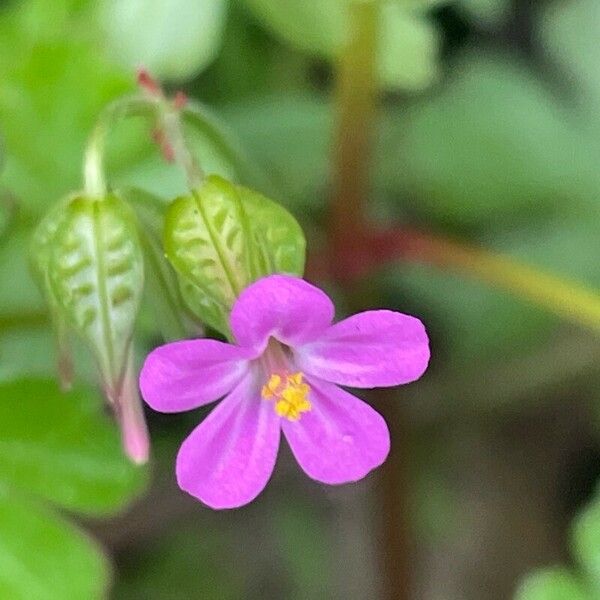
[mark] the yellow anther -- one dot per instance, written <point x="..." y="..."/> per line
<point x="270" y="388"/>
<point x="290" y="396"/>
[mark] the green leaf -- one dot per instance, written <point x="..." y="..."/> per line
<point x="552" y="584"/>
<point x="315" y="26"/>
<point x="18" y="291"/>
<point x="96" y="277"/>
<point x="222" y="237"/>
<point x="586" y="542"/>
<point x="26" y="352"/>
<point x="51" y="94"/>
<point x="490" y="12"/>
<point x="408" y="50"/>
<point x="408" y="41"/>
<point x="62" y="447"/>
<point x="191" y="560"/>
<point x="174" y="39"/>
<point x="269" y="124"/>
<point x="44" y="557"/>
<point x="570" y="31"/>
<point x="493" y="145"/>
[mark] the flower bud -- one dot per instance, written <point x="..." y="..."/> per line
<point x="88" y="258"/>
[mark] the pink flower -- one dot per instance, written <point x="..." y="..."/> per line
<point x="283" y="375"/>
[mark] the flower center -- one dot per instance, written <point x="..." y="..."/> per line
<point x="289" y="393"/>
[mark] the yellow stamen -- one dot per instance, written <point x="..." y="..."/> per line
<point x="290" y="396"/>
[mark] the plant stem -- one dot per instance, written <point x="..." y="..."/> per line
<point x="173" y="134"/>
<point x="356" y="97"/>
<point x="355" y="101"/>
<point x="93" y="163"/>
<point x="566" y="298"/>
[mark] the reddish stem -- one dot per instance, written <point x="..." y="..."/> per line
<point x="350" y="249"/>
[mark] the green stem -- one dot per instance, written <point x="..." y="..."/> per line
<point x="355" y="100"/>
<point x="565" y="298"/>
<point x="173" y="131"/>
<point x="93" y="164"/>
<point x="196" y="115"/>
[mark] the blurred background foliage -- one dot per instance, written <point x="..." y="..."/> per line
<point x="488" y="131"/>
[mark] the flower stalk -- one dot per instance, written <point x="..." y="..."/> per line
<point x="93" y="163"/>
<point x="169" y="134"/>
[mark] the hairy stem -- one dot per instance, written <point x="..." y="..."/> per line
<point x="171" y="126"/>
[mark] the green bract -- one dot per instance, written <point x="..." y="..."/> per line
<point x="222" y="237"/>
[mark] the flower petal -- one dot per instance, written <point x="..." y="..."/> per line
<point x="377" y="348"/>
<point x="287" y="308"/>
<point x="187" y="374"/>
<point x="228" y="459"/>
<point x="340" y="439"/>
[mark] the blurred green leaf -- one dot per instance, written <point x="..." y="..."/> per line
<point x="45" y="557"/>
<point x="490" y="12"/>
<point x="552" y="584"/>
<point x="61" y="447"/>
<point x="408" y="49"/>
<point x="407" y="41"/>
<point x="188" y="562"/>
<point x="50" y="97"/>
<point x="570" y="31"/>
<point x="586" y="542"/>
<point x="95" y="270"/>
<point x="26" y="351"/>
<point x="301" y="173"/>
<point x="18" y="291"/>
<point x="174" y="39"/>
<point x="493" y="146"/>
<point x="315" y="26"/>
<point x="304" y="549"/>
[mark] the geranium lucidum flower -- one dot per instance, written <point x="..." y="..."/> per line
<point x="283" y="375"/>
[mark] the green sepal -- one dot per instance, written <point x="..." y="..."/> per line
<point x="222" y="237"/>
<point x="95" y="275"/>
